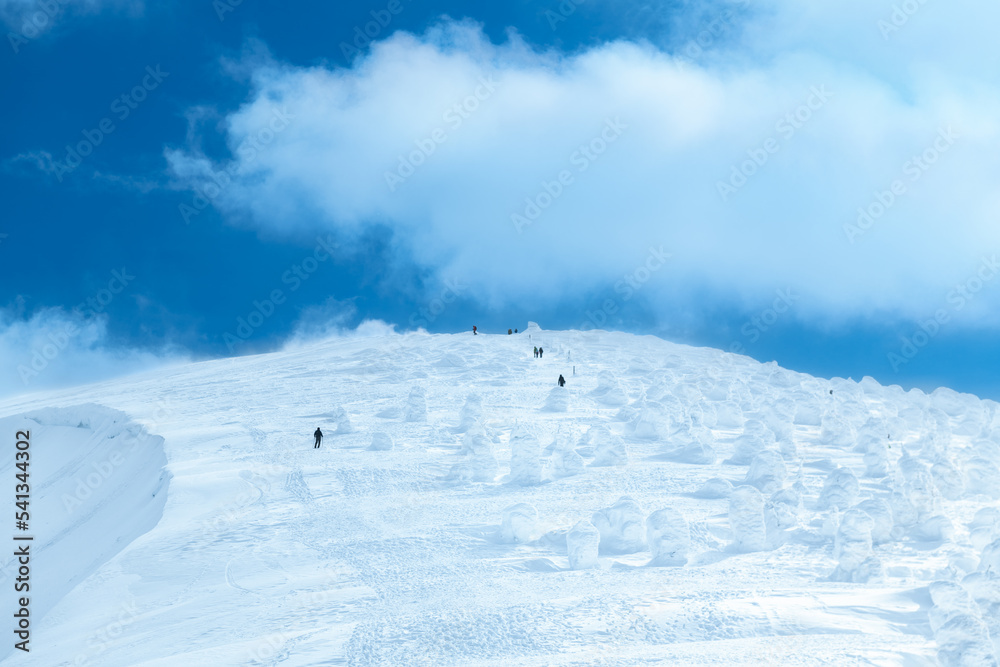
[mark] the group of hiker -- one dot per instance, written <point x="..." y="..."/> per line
<point x="318" y="434"/>
<point x="538" y="351"/>
<point x="475" y="331"/>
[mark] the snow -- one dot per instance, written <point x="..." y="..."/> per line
<point x="582" y="546"/>
<point x="381" y="442"/>
<point x="990" y="562"/>
<point x="982" y="476"/>
<point x="767" y="472"/>
<point x="558" y="400"/>
<point x="840" y="490"/>
<point x="754" y="438"/>
<point x="609" y="391"/>
<point x="343" y="421"/>
<point x="565" y="460"/>
<point x="691" y="442"/>
<point x="479" y="463"/>
<point x="881" y="515"/>
<point x="689" y="507"/>
<point x="621" y="527"/>
<point x="746" y="519"/>
<point x="984" y="527"/>
<point x="608" y="447"/>
<point x="782" y="511"/>
<point x="416" y="405"/>
<point x="958" y="626"/>
<point x="525" y="457"/>
<point x="853" y="548"/>
<point x="99" y="483"/>
<point x="716" y="487"/>
<point x="669" y="538"/>
<point x="518" y="523"/>
<point x="649" y="424"/>
<point x="876" y="458"/>
<point x="470" y="413"/>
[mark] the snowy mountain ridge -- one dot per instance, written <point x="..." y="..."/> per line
<point x="670" y="505"/>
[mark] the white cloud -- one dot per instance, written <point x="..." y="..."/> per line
<point x="38" y="160"/>
<point x="314" y="145"/>
<point x="55" y="347"/>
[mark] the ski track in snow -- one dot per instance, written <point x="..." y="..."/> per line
<point x="271" y="552"/>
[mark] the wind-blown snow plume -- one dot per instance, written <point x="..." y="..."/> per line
<point x="54" y="348"/>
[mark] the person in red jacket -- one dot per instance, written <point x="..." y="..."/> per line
<point x="474" y="330"/>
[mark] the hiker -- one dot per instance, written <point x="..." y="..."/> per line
<point x="540" y="352"/>
<point x="562" y="381"/>
<point x="319" y="437"/>
<point x="474" y="330"/>
<point x="509" y="332"/>
<point x="536" y="352"/>
<point x="515" y="330"/>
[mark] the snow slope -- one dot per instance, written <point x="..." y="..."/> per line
<point x="96" y="481"/>
<point x="670" y="505"/>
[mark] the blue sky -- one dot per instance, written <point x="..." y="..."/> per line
<point x="812" y="184"/>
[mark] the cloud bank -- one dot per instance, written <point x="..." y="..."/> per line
<point x="845" y="153"/>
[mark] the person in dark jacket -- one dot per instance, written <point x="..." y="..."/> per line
<point x="562" y="381"/>
<point x="319" y="437"/>
<point x="540" y="352"/>
<point x="509" y="332"/>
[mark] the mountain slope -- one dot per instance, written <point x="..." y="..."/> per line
<point x="855" y="507"/>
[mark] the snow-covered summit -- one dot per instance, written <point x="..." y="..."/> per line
<point x="678" y="505"/>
